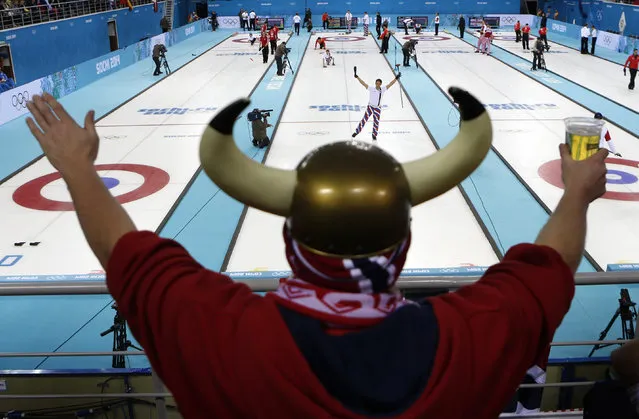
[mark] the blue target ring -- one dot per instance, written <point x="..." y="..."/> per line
<point x="551" y="173"/>
<point x="110" y="182"/>
<point x="621" y="177"/>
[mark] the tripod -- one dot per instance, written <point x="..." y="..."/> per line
<point x="628" y="313"/>
<point x="287" y="63"/>
<point x="120" y="341"/>
<point x="165" y="64"/>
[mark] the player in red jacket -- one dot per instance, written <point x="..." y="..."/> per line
<point x="321" y="42"/>
<point x="385" y="37"/>
<point x="525" y="37"/>
<point x="272" y="37"/>
<point x="336" y="339"/>
<point x="517" y="32"/>
<point x="264" y="47"/>
<point x="543" y="35"/>
<point x="633" y="64"/>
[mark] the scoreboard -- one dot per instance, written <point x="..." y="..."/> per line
<point x="277" y="21"/>
<point x="340" y="22"/>
<point x="475" y="21"/>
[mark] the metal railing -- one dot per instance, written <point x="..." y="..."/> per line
<point x="160" y="395"/>
<point x="14" y="17"/>
<point x="412" y="283"/>
<point x="262" y="285"/>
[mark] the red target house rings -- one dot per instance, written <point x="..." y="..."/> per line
<point x="30" y="195"/>
<point x="551" y="173"/>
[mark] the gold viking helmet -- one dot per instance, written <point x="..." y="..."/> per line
<point x="346" y="199"/>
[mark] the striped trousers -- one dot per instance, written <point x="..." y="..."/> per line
<point x="370" y="110"/>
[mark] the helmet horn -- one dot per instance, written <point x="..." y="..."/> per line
<point x="433" y="175"/>
<point x="256" y="185"/>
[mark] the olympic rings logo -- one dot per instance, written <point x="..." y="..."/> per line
<point x="510" y="19"/>
<point x="607" y="39"/>
<point x="19" y="101"/>
<point x="282" y="273"/>
<point x="231" y="21"/>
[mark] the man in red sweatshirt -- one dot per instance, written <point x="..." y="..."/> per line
<point x="264" y="46"/>
<point x="633" y="64"/>
<point x="543" y="35"/>
<point x="525" y="37"/>
<point x="272" y="37"/>
<point x="517" y="31"/>
<point x="336" y="339"/>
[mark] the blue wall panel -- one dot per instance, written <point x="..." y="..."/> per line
<point x="339" y="7"/>
<point x="40" y="50"/>
<point x="180" y="12"/>
<point x="604" y="15"/>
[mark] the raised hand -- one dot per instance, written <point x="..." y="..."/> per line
<point x="66" y="144"/>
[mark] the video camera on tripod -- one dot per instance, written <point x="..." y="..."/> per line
<point x="163" y="61"/>
<point x="120" y="341"/>
<point x="628" y="313"/>
<point x="256" y="114"/>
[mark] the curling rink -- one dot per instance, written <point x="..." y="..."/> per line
<point x="401" y="134"/>
<point x="149" y="160"/>
<point x="579" y="68"/>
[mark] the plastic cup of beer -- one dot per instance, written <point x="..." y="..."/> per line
<point x="582" y="136"/>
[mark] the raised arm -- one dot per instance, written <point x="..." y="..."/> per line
<point x="361" y="82"/>
<point x="388" y="86"/>
<point x="584" y="181"/>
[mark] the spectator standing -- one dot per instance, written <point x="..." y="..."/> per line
<point x="164" y="24"/>
<point x="245" y="355"/>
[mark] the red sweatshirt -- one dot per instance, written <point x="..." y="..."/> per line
<point x="543" y="31"/>
<point x="632" y="62"/>
<point x="526" y="29"/>
<point x="517" y="26"/>
<point x="226" y="352"/>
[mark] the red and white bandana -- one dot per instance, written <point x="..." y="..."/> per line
<point x="349" y="292"/>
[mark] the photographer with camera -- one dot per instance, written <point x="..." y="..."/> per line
<point x="158" y="52"/>
<point x="259" y="123"/>
<point x="281" y="53"/>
